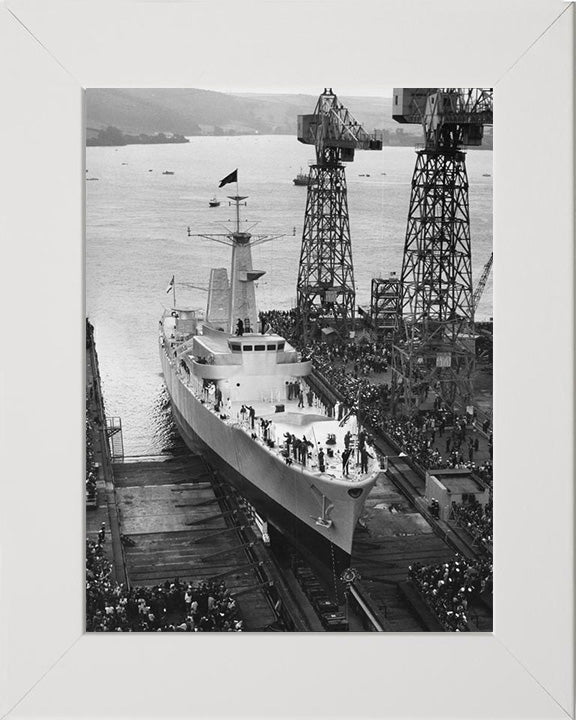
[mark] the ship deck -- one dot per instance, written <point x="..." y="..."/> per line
<point x="310" y="422"/>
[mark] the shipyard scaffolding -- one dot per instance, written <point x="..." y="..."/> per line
<point x="385" y="309"/>
<point x="434" y="348"/>
<point x="326" y="294"/>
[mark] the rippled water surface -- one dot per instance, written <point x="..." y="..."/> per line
<point x="136" y="240"/>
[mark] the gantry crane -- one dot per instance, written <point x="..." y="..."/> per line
<point x="482" y="282"/>
<point x="325" y="290"/>
<point x="435" y="346"/>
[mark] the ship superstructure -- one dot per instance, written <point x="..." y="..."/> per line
<point x="240" y="398"/>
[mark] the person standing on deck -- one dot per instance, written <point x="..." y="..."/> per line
<point x="361" y="444"/>
<point x="321" y="465"/>
<point x="345" y="461"/>
<point x="300" y="396"/>
<point x="295" y="447"/>
<point x="364" y="455"/>
<point x="303" y="451"/>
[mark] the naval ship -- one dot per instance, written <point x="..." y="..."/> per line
<point x="239" y="398"/>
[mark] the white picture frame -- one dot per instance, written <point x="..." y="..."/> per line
<point x="49" y="51"/>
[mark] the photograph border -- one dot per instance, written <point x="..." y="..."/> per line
<point x="51" y="50"/>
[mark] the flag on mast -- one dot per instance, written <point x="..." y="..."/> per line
<point x="233" y="177"/>
<point x="171" y="285"/>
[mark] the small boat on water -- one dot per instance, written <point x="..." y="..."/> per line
<point x="168" y="172"/>
<point x="92" y="178"/>
<point x="214" y="202"/>
<point x="301" y="179"/>
<point x="486" y="175"/>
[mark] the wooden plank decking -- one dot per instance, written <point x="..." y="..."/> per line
<point x="169" y="511"/>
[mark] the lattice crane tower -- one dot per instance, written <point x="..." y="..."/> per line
<point x="479" y="291"/>
<point x="435" y="345"/>
<point x="325" y="290"/>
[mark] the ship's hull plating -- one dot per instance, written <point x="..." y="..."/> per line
<point x="286" y="496"/>
<point x="319" y="550"/>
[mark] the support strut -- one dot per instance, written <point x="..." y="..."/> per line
<point x="435" y="347"/>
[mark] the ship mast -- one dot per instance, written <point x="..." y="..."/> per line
<point x="237" y="199"/>
<point x="242" y="302"/>
<point x="238" y="294"/>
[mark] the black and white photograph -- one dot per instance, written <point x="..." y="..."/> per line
<point x="289" y="360"/>
<point x="270" y="294"/>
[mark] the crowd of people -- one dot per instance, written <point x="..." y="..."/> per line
<point x="352" y="383"/>
<point x="91" y="470"/>
<point x="360" y="359"/>
<point x="449" y="589"/>
<point x="476" y="519"/>
<point x="484" y="471"/>
<point x="420" y="436"/>
<point x="283" y="322"/>
<point x="169" y="607"/>
<point x="347" y="367"/>
<point x="413" y="441"/>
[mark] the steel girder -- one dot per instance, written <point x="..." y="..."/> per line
<point x="385" y="305"/>
<point x="325" y="289"/>
<point x="435" y="345"/>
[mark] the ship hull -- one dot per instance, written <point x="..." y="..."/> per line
<point x="289" y="497"/>
<point x="319" y="551"/>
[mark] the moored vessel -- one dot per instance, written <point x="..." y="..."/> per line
<point x="301" y="178"/>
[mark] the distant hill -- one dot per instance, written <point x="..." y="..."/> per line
<point x="371" y="112"/>
<point x="205" y="112"/>
<point x="195" y="112"/>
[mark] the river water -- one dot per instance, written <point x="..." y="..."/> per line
<point x="136" y="239"/>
